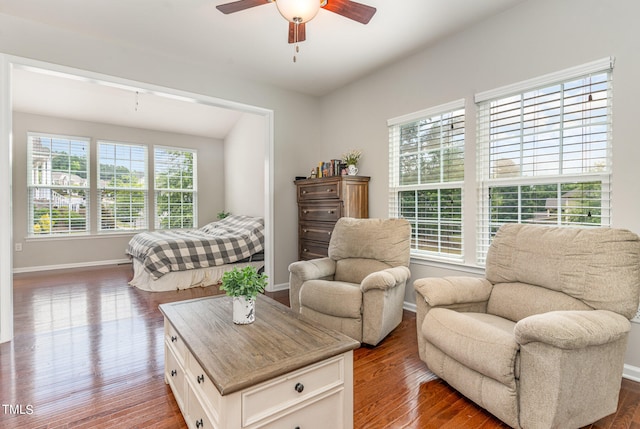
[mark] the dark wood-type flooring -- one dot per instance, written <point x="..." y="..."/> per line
<point x="88" y="353"/>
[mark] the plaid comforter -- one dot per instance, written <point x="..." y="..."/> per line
<point x="229" y="240"/>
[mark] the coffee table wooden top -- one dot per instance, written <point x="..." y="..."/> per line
<point x="239" y="356"/>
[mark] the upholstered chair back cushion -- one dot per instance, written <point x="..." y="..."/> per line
<point x="363" y="246"/>
<point x="572" y="264"/>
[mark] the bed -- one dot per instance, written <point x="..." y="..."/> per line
<point x="180" y="259"/>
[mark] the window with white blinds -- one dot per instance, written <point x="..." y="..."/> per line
<point x="175" y="188"/>
<point x="426" y="175"/>
<point x="544" y="152"/>
<point x="57" y="185"/>
<point x="122" y="186"/>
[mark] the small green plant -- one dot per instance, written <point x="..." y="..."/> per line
<point x="245" y="282"/>
<point x="223" y="214"/>
<point x="352" y="157"/>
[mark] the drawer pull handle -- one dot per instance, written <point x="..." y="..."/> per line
<point x="305" y="211"/>
<point x="305" y="230"/>
<point x="299" y="387"/>
<point x="199" y="423"/>
<point x="200" y="379"/>
<point x="174" y="373"/>
<point x="305" y="250"/>
<point x="330" y="211"/>
<point x="329" y="190"/>
<point x="328" y="232"/>
<point x="174" y="338"/>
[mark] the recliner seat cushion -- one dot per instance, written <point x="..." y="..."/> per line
<point x="482" y="342"/>
<point x="334" y="298"/>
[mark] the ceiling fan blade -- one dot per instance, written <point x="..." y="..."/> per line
<point x="302" y="33"/>
<point x="239" y="5"/>
<point x="351" y="9"/>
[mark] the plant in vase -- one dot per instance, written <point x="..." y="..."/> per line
<point x="351" y="159"/>
<point x="243" y="285"/>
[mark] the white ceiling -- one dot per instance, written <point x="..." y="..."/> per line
<point x="251" y="44"/>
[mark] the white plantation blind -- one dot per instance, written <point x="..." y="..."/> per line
<point x="58" y="184"/>
<point x="175" y="188"/>
<point x="426" y="175"/>
<point x="544" y="152"/>
<point x="122" y="186"/>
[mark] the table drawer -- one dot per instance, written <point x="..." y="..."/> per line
<point x="284" y="392"/>
<point x="316" y="231"/>
<point x="326" y="412"/>
<point x="196" y="417"/>
<point x="203" y="385"/>
<point x="174" y="375"/>
<point x="324" y="212"/>
<point x="175" y="342"/>
<point x="329" y="190"/>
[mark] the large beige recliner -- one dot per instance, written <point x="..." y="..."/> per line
<point x="539" y="342"/>
<point x="359" y="288"/>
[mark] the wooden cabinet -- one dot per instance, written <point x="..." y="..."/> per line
<point x="321" y="202"/>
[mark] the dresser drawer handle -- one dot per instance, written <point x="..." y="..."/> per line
<point x="305" y="230"/>
<point x="304" y="192"/>
<point x="299" y="387"/>
<point x="329" y="190"/>
<point x="174" y="373"/>
<point x="330" y="211"/>
<point x="199" y="423"/>
<point x="305" y="211"/>
<point x="174" y="338"/>
<point x="200" y="379"/>
<point x="305" y="250"/>
<point x="328" y="232"/>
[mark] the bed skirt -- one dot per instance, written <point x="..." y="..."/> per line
<point x="183" y="279"/>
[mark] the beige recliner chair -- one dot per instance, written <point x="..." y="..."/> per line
<point x="359" y="288"/>
<point x="539" y="342"/>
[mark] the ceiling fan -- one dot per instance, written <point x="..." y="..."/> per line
<point x="299" y="12"/>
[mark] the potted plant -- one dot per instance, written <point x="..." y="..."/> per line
<point x="351" y="159"/>
<point x="243" y="285"/>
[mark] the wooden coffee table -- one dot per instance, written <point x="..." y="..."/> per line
<point x="280" y="371"/>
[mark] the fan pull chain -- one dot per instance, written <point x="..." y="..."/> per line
<point x="296" y="24"/>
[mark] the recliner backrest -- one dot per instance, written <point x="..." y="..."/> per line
<point x="598" y="266"/>
<point x="363" y="246"/>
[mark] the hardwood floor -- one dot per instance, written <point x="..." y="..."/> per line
<point x="88" y="353"/>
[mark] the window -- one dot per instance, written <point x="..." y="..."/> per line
<point x="122" y="186"/>
<point x="426" y="175"/>
<point x="58" y="184"/>
<point x="175" y="188"/>
<point x="544" y="152"/>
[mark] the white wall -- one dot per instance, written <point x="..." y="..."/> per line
<point x="107" y="247"/>
<point x="244" y="163"/>
<point x="529" y="40"/>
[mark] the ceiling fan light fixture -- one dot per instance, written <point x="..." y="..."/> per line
<point x="299" y="11"/>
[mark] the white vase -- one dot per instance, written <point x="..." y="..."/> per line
<point x="352" y="170"/>
<point x="244" y="310"/>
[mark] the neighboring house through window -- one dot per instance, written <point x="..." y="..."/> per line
<point x="426" y="176"/>
<point x="544" y="152"/>
<point x="58" y="185"/>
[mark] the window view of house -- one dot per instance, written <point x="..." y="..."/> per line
<point x="58" y="185"/>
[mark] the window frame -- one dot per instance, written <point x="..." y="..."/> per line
<point x="485" y="226"/>
<point x="32" y="187"/>
<point x="158" y="190"/>
<point x="443" y="247"/>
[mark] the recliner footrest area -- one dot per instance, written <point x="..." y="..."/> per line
<point x="482" y="342"/>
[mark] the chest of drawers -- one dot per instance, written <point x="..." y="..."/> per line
<point x="321" y="202"/>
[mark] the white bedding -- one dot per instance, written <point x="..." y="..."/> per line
<point x="183" y="279"/>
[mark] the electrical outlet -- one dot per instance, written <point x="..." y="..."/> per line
<point x="18" y="247"/>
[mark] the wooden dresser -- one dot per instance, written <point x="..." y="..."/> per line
<point x="279" y="372"/>
<point x="321" y="202"/>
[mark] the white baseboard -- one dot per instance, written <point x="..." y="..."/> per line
<point x="68" y="266"/>
<point x="279" y="287"/>
<point x="631" y="372"/>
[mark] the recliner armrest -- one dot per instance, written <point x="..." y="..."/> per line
<point x="313" y="269"/>
<point x="443" y="291"/>
<point x="385" y="279"/>
<point x="572" y="329"/>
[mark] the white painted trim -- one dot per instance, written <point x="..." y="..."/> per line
<point x="279" y="287"/>
<point x="631" y="372"/>
<point x="69" y="266"/>
<point x="409" y="306"/>
<point x="6" y="226"/>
